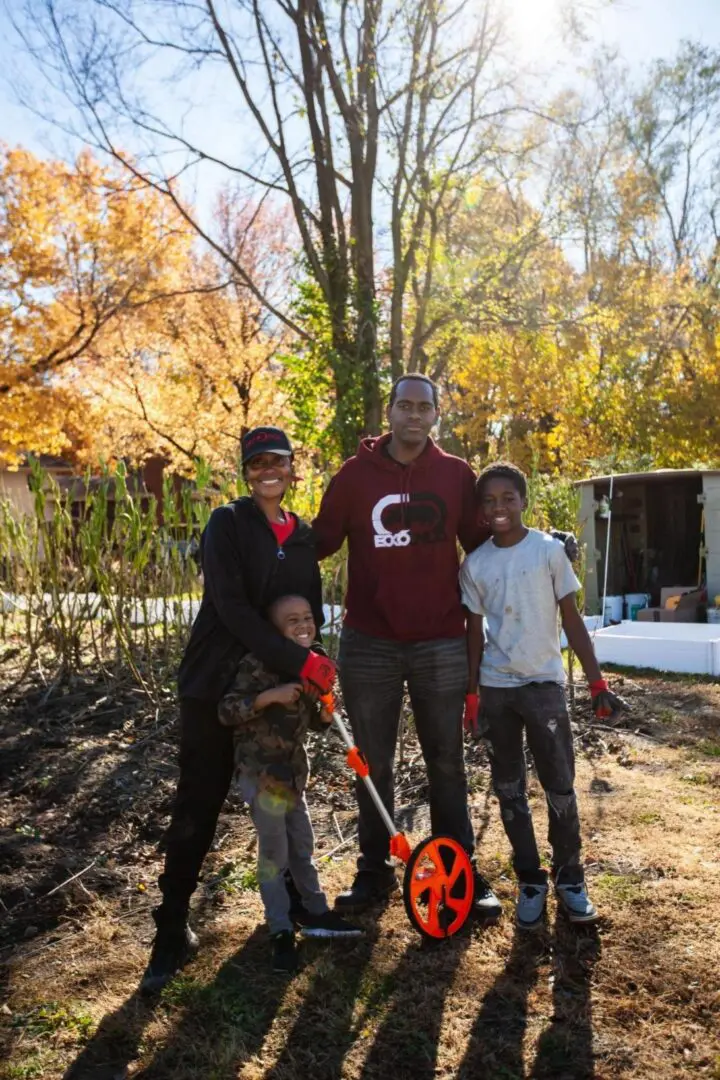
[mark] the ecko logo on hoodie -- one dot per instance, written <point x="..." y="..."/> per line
<point x="404" y="519"/>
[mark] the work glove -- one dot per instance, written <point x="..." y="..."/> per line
<point x="472" y="711"/>
<point x="318" y="674"/>
<point x="569" y="542"/>
<point x="604" y="702"/>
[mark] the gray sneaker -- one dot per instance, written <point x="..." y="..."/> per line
<point x="576" y="903"/>
<point x="530" y="906"/>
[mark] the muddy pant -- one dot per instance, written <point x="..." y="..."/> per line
<point x="540" y="710"/>
<point x="373" y="674"/>
<point x="285" y="842"/>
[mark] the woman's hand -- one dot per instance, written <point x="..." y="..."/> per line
<point x="318" y="674"/>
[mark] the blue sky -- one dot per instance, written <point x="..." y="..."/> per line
<point x="641" y="29"/>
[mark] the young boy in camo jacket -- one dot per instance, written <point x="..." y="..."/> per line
<point x="271" y="717"/>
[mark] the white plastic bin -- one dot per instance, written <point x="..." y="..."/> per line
<point x="613" y="610"/>
<point x="688" y="648"/>
<point x="635" y="602"/>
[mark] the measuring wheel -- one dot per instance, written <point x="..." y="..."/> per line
<point x="438" y="884"/>
<point x="438" y="887"/>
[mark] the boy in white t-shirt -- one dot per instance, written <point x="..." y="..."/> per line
<point x="517" y="580"/>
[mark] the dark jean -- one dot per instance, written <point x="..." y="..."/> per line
<point x="373" y="674"/>
<point x="539" y="709"/>
<point x="206" y="769"/>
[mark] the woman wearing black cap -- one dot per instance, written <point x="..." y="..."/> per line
<point x="252" y="552"/>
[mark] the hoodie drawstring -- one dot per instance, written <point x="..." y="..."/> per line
<point x="405" y="492"/>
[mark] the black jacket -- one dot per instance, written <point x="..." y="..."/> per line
<point x="242" y="575"/>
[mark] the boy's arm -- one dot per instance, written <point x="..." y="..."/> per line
<point x="578" y="638"/>
<point x="605" y="703"/>
<point x="237" y="707"/>
<point x="471" y="595"/>
<point x="475" y="649"/>
<point x="250" y="694"/>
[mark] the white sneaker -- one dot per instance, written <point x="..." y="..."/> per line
<point x="485" y="903"/>
<point x="530" y="906"/>
<point x="576" y="903"/>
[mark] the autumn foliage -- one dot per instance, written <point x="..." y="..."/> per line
<point x="117" y="339"/>
<point x="122" y="338"/>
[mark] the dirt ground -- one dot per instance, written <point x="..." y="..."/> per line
<point x="87" y="776"/>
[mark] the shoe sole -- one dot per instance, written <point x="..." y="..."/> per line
<point x="491" y="914"/>
<point x="317" y="932"/>
<point x="155" y="983"/>
<point x="530" y="925"/>
<point x="574" y="918"/>
<point x="359" y="908"/>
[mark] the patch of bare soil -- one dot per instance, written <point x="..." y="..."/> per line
<point x="87" y="776"/>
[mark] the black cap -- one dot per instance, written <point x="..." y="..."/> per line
<point x="265" y="440"/>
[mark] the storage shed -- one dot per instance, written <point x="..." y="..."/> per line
<point x="665" y="532"/>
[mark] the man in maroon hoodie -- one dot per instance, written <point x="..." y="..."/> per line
<point x="402" y="504"/>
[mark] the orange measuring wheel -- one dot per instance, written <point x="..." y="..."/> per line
<point x="438" y="884"/>
<point x="438" y="887"/>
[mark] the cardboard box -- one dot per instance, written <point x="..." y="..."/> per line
<point x="675" y="590"/>
<point x="692" y="599"/>
<point x="688" y="614"/>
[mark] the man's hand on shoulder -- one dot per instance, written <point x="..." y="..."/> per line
<point x="569" y="542"/>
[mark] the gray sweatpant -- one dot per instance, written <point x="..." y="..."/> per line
<point x="285" y="841"/>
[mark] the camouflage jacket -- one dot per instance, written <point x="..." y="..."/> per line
<point x="270" y="744"/>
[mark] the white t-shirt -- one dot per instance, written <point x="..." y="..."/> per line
<point x="517" y="589"/>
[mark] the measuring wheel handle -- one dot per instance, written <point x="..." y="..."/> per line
<point x="437" y="890"/>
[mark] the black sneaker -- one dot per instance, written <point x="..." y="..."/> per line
<point x="367" y="889"/>
<point x="285" y="958"/>
<point x="172" y="948"/>
<point x="485" y="903"/>
<point x="327" y="925"/>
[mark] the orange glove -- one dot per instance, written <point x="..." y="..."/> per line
<point x="472" y="710"/>
<point x="604" y="702"/>
<point x="318" y="674"/>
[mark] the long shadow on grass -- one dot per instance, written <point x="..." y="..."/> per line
<point x="406" y="1044"/>
<point x="495" y="1048"/>
<point x="222" y="1023"/>
<point x="115" y="1043"/>
<point x="323" y="1030"/>
<point x="565" y="1050"/>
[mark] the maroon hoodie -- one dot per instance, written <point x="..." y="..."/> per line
<point x="402" y="524"/>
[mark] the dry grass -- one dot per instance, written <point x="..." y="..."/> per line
<point x="638" y="998"/>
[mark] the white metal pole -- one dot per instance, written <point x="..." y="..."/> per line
<point x="379" y="804"/>
<point x="607" y="548"/>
